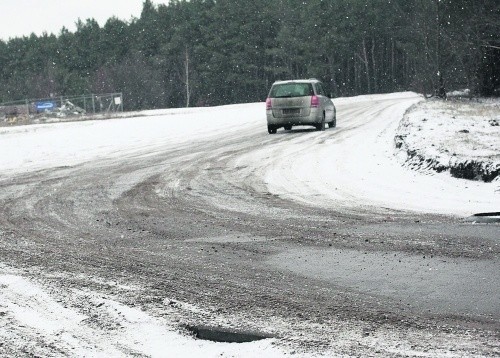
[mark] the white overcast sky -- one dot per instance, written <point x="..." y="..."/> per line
<point x="22" y="17"/>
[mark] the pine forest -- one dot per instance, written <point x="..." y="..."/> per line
<point x="214" y="52"/>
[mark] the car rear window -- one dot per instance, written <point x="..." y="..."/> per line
<point x="291" y="90"/>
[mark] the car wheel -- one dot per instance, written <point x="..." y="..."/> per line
<point x="333" y="123"/>
<point x="287" y="128"/>
<point x="271" y="129"/>
<point x="321" y="126"/>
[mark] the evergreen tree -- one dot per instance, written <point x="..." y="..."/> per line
<point x="207" y="52"/>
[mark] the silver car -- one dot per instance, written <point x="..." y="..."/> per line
<point x="298" y="103"/>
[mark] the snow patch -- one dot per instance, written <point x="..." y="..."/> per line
<point x="31" y="316"/>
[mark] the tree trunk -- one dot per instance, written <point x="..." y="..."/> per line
<point x="393" y="79"/>
<point x="440" y="90"/>
<point x="374" y="66"/>
<point x="186" y="74"/>
<point x="357" y="80"/>
<point x="367" y="67"/>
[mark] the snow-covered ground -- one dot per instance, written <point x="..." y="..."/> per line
<point x="353" y="165"/>
<point x="30" y="317"/>
<point x="459" y="136"/>
<point x="360" y="165"/>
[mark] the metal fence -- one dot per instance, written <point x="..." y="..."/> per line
<point x="60" y="108"/>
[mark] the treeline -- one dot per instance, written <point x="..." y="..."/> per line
<point x="211" y="52"/>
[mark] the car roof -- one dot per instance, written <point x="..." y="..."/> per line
<point x="297" y="81"/>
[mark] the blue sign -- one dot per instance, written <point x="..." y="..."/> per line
<point x="45" y="106"/>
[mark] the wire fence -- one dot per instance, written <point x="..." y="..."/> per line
<point x="60" y="108"/>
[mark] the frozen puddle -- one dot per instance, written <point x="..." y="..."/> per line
<point x="432" y="284"/>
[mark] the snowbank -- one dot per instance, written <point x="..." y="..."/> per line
<point x="459" y="137"/>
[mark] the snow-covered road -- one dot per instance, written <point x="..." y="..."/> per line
<point x="352" y="166"/>
<point x="114" y="232"/>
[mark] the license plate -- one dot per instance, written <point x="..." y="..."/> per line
<point x="291" y="111"/>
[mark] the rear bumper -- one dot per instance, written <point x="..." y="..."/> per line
<point x="314" y="117"/>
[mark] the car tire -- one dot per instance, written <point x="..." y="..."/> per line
<point x="333" y="123"/>
<point x="271" y="129"/>
<point x="321" y="126"/>
<point x="287" y="128"/>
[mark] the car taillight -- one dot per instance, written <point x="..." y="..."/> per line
<point x="314" y="101"/>
<point x="268" y="103"/>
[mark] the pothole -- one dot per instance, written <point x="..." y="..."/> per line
<point x="223" y="335"/>
<point x="488" y="214"/>
<point x="493" y="217"/>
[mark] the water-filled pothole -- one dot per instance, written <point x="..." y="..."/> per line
<point x="488" y="214"/>
<point x="217" y="334"/>
<point x="493" y="217"/>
